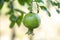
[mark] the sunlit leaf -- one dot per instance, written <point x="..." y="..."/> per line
<point x="44" y="8"/>
<point x="21" y="2"/>
<point x="1" y="3"/>
<point x="12" y="24"/>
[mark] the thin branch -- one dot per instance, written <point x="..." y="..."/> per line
<point x="13" y="34"/>
<point x="31" y="36"/>
<point x="37" y="7"/>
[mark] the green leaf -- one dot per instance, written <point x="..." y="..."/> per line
<point x="11" y="12"/>
<point x="58" y="5"/>
<point x="19" y="19"/>
<point x="10" y="5"/>
<point x="12" y="24"/>
<point x="13" y="18"/>
<point x="28" y="1"/>
<point x="39" y="1"/>
<point x="21" y="2"/>
<point x="44" y="8"/>
<point x="1" y="3"/>
<point x="6" y="0"/>
<point x="48" y="13"/>
<point x="54" y="3"/>
<point x="58" y="11"/>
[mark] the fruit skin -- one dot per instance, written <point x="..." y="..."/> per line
<point x="31" y="20"/>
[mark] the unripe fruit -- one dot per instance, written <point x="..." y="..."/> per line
<point x="31" y="20"/>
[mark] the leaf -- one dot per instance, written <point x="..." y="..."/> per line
<point x="10" y="12"/>
<point x="28" y="1"/>
<point x="58" y="11"/>
<point x="12" y="24"/>
<point x="6" y="0"/>
<point x="21" y="2"/>
<point x="39" y="1"/>
<point x="58" y="5"/>
<point x="1" y="3"/>
<point x="54" y="3"/>
<point x="13" y="18"/>
<point x="19" y="20"/>
<point x="44" y="8"/>
<point x="48" y="13"/>
<point x="10" y="5"/>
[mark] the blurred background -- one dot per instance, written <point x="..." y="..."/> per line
<point x="49" y="28"/>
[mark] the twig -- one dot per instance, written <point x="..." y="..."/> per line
<point x="31" y="36"/>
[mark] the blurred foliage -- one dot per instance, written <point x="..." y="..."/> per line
<point x="44" y="8"/>
<point x="6" y="0"/>
<point x="14" y="19"/>
<point x="58" y="10"/>
<point x="12" y="24"/>
<point x="22" y="2"/>
<point x="19" y="19"/>
<point x="56" y="4"/>
<point x="1" y="3"/>
<point x="39" y="1"/>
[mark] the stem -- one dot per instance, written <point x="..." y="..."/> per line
<point x="37" y="7"/>
<point x="31" y="4"/>
<point x="31" y="37"/>
<point x="12" y="8"/>
<point x="30" y="34"/>
<point x="13" y="34"/>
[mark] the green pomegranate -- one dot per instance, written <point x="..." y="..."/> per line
<point x="31" y="20"/>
